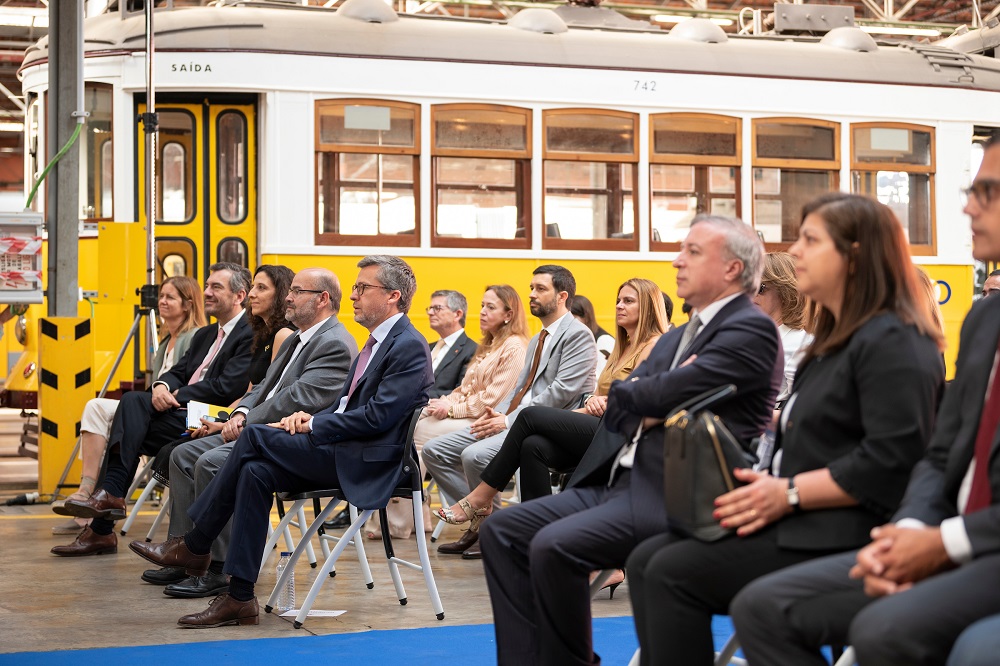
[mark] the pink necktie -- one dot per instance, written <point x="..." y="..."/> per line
<point x="363" y="357"/>
<point x="981" y="495"/>
<point x="196" y="377"/>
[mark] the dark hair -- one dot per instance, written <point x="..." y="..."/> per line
<point x="395" y="275"/>
<point x="994" y="273"/>
<point x="880" y="275"/>
<point x="562" y="279"/>
<point x="273" y="320"/>
<point x="581" y="307"/>
<point x="239" y="277"/>
<point x="668" y="305"/>
<point x="456" y="301"/>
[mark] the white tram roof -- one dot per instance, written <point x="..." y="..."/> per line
<point x="323" y="32"/>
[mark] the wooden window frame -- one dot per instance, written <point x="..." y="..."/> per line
<point x="392" y="240"/>
<point x="605" y="244"/>
<point x="522" y="178"/>
<point x="928" y="170"/>
<point x="690" y="159"/>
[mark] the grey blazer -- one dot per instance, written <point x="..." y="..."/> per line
<point x="565" y="370"/>
<point x="180" y="348"/>
<point x="313" y="380"/>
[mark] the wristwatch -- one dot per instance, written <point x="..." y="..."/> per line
<point x="451" y="412"/>
<point x="793" y="495"/>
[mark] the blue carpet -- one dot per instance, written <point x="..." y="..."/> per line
<point x="468" y="645"/>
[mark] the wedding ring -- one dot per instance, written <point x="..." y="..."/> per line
<point x="753" y="513"/>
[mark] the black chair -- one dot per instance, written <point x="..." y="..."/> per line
<point x="410" y="487"/>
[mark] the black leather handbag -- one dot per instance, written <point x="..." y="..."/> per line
<point x="699" y="455"/>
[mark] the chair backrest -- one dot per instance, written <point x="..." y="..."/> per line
<point x="411" y="463"/>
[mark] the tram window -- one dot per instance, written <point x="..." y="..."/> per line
<point x="694" y="168"/>
<point x="176" y="202"/>
<point x="367" y="170"/>
<point x="234" y="250"/>
<point x="174" y="265"/>
<point x="589" y="175"/>
<point x="96" y="177"/>
<point x="894" y="163"/>
<point x="481" y="177"/>
<point x="32" y="148"/>
<point x="795" y="160"/>
<point x="231" y="157"/>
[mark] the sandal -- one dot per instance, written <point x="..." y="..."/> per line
<point x="475" y="516"/>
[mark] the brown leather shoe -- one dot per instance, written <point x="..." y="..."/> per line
<point x="475" y="552"/>
<point x="88" y="543"/>
<point x="173" y="553"/>
<point x="223" y="611"/>
<point x="469" y="539"/>
<point x="98" y="505"/>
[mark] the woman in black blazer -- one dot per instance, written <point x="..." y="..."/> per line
<point x="860" y="414"/>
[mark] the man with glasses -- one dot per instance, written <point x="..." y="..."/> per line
<point x="357" y="444"/>
<point x="906" y="597"/>
<point x="451" y="354"/>
<point x="307" y="374"/>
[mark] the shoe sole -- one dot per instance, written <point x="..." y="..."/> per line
<point x="155" y="581"/>
<point x="190" y="572"/>
<point x="186" y="594"/>
<point x="239" y="621"/>
<point x="65" y="532"/>
<point x="78" y="511"/>
<point x="103" y="551"/>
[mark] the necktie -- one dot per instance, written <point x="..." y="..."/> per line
<point x="686" y="339"/>
<point x="196" y="377"/>
<point x="363" y="358"/>
<point x="435" y="353"/>
<point x="276" y="377"/>
<point x="980" y="496"/>
<point x="519" y="396"/>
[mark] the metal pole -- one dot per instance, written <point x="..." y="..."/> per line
<point x="150" y="120"/>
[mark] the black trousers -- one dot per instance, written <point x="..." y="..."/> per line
<point x="677" y="584"/>
<point x="540" y="439"/>
<point x="538" y="557"/>
<point x="137" y="430"/>
<point x="264" y="460"/>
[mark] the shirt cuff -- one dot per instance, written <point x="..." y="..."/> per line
<point x="308" y="425"/>
<point x="155" y="384"/>
<point x="240" y="410"/>
<point x="911" y="524"/>
<point x="956" y="540"/>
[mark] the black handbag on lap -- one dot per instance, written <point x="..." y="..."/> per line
<point x="699" y="455"/>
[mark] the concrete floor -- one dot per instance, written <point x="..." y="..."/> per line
<point x="53" y="603"/>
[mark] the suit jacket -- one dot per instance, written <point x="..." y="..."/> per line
<point x="864" y="412"/>
<point x="312" y="381"/>
<point x="452" y="367"/>
<point x="565" y="369"/>
<point x="932" y="494"/>
<point x="180" y="348"/>
<point x="740" y="346"/>
<point x="369" y="435"/>
<point x="228" y="375"/>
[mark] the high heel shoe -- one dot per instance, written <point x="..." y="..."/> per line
<point x="614" y="586"/>
<point x="472" y="515"/>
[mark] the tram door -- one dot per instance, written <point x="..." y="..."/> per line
<point x="206" y="173"/>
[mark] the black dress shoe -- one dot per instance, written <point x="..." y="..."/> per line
<point x="468" y="540"/>
<point x="208" y="585"/>
<point x="339" y="522"/>
<point x="164" y="576"/>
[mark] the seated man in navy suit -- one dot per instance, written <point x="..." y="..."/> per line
<point x="538" y="555"/>
<point x="451" y="354"/>
<point x="357" y="444"/>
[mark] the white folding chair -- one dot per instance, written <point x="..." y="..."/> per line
<point x="152" y="486"/>
<point x="411" y="487"/>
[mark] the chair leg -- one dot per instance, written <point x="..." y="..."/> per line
<point x="725" y="656"/>
<point x="164" y="511"/>
<point x="146" y="492"/>
<point x="445" y="501"/>
<point x="359" y="544"/>
<point x="848" y="658"/>
<point x="351" y="533"/>
<point x="275" y="534"/>
<point x="425" y="560"/>
<point x="301" y="524"/>
<point x="139" y="477"/>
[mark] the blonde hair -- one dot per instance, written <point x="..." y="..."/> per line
<point x="517" y="324"/>
<point x="779" y="275"/>
<point x="652" y="323"/>
<point x="190" y="293"/>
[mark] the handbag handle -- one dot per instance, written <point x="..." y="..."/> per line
<point x="704" y="400"/>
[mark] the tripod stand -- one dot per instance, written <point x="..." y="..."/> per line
<point x="146" y="309"/>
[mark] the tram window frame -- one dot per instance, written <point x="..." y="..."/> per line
<point x="245" y="263"/>
<point x="92" y="173"/>
<point x="614" y="172"/>
<point x="805" y="166"/>
<point x="328" y="158"/>
<point x="175" y="245"/>
<point x="701" y="165"/>
<point x="521" y="178"/>
<point x="190" y="166"/>
<point x="243" y="185"/>
<point x="864" y="172"/>
<point x="32" y="146"/>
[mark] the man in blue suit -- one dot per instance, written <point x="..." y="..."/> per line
<point x="538" y="555"/>
<point x="357" y="444"/>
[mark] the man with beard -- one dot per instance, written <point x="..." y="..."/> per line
<point x="558" y="369"/>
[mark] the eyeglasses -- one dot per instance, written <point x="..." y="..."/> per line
<point x="762" y="289"/>
<point x="435" y="308"/>
<point x="295" y="291"/>
<point x="984" y="190"/>
<point x="361" y="286"/>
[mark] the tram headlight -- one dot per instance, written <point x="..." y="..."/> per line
<point x="21" y="329"/>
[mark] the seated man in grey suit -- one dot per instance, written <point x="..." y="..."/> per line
<point x="559" y="369"/>
<point x="308" y="374"/>
<point x="451" y="354"/>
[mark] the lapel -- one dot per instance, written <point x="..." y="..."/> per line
<point x="550" y="344"/>
<point x="233" y="334"/>
<point x="377" y="357"/>
<point x="706" y="333"/>
<point x="453" y="351"/>
<point x="987" y="342"/>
